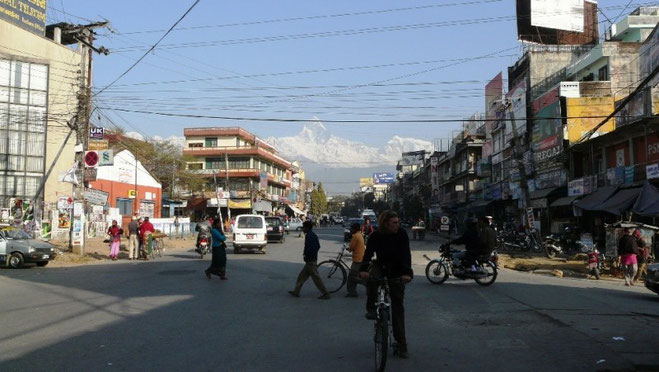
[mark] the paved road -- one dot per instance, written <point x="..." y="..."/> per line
<point x="165" y="315"/>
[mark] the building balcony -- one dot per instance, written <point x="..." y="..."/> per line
<point x="242" y="173"/>
<point x="256" y="151"/>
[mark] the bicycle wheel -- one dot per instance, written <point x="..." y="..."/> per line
<point x="381" y="339"/>
<point x="333" y="275"/>
<point x="157" y="247"/>
<point x="491" y="271"/>
<point x="436" y="272"/>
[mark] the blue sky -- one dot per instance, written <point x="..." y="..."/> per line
<point x="337" y="60"/>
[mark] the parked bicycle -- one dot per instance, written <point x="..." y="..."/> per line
<point x="334" y="271"/>
<point x="383" y="331"/>
<point x="157" y="247"/>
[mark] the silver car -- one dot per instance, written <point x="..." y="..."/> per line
<point x="18" y="248"/>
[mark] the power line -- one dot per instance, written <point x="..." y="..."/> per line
<point x="150" y="49"/>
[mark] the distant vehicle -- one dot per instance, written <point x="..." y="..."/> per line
<point x="370" y="214"/>
<point x="250" y="232"/>
<point x="347" y="235"/>
<point x="275" y="229"/>
<point x="338" y="220"/>
<point x="295" y="224"/>
<point x="22" y="248"/>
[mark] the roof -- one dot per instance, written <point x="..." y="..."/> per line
<point x="564" y="201"/>
<point x="621" y="202"/>
<point x="647" y="203"/>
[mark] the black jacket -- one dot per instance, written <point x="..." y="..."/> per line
<point x="392" y="252"/>
<point x="626" y="245"/>
<point x="471" y="241"/>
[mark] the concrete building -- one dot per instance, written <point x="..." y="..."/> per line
<point x="232" y="158"/>
<point x="39" y="86"/>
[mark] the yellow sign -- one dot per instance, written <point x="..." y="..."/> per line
<point x="586" y="113"/>
<point x="240" y="204"/>
<point x="98" y="145"/>
<point x="132" y="194"/>
<point x="363" y="182"/>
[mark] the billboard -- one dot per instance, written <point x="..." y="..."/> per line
<point x="583" y="114"/>
<point x="517" y="98"/>
<point x="565" y="15"/>
<point x="553" y="22"/>
<point x="493" y="94"/>
<point x="28" y="15"/>
<point x="413" y="158"/>
<point x="547" y="135"/>
<point x="365" y="182"/>
<point x="382" y="178"/>
<point x="434" y="178"/>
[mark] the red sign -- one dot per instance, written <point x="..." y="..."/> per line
<point x="91" y="158"/>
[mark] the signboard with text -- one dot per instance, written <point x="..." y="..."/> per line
<point x="29" y="15"/>
<point x="96" y="133"/>
<point x="383" y="178"/>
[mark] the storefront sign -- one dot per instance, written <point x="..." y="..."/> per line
<point x="530" y="218"/>
<point x="652" y="171"/>
<point x="575" y="187"/>
<point x="98" y="145"/>
<point x="28" y="15"/>
<point x="629" y="174"/>
<point x="551" y="179"/>
<point x="96" y="133"/>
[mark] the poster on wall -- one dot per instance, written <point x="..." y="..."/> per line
<point x="547" y="135"/>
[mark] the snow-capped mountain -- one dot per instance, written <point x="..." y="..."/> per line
<point x="315" y="144"/>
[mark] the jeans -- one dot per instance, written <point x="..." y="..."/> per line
<point x="353" y="278"/>
<point x="397" y="295"/>
<point x="310" y="269"/>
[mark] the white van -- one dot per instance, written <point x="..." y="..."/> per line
<point x="249" y="232"/>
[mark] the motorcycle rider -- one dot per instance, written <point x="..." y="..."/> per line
<point x="487" y="234"/>
<point x="472" y="242"/>
<point x="204" y="231"/>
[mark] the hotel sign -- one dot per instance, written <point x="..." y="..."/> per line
<point x="27" y="14"/>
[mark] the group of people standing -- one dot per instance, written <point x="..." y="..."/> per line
<point x="139" y="238"/>
<point x="390" y="245"/>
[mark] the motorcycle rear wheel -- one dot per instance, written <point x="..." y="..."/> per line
<point x="491" y="277"/>
<point x="436" y="272"/>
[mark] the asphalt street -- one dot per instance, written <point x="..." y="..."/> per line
<point x="165" y="315"/>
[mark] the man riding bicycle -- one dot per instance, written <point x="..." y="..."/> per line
<point x="391" y="246"/>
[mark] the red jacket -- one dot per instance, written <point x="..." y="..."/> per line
<point x="115" y="233"/>
<point x="146" y="228"/>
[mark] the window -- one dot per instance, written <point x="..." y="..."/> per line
<point x="603" y="73"/>
<point x="195" y="166"/>
<point x="211" y="142"/>
<point x="125" y="206"/>
<point x="238" y="163"/>
<point x="147" y="209"/>
<point x="193" y="145"/>
<point x="246" y="222"/>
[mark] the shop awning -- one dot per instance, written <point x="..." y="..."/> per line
<point x="296" y="210"/>
<point x="647" y="203"/>
<point x="544" y="193"/>
<point x="565" y="201"/>
<point x="481" y="203"/>
<point x="592" y="201"/>
<point x="621" y="202"/>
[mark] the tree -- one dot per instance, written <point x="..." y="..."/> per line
<point x="318" y="200"/>
<point x="369" y="200"/>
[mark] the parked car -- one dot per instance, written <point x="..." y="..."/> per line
<point x="275" y="229"/>
<point x="22" y="248"/>
<point x="346" y="231"/>
<point x="652" y="278"/>
<point x="295" y="224"/>
<point x="250" y="232"/>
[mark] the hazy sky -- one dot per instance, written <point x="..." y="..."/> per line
<point x="337" y="60"/>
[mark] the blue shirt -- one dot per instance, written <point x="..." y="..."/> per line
<point x="311" y="247"/>
<point x="218" y="238"/>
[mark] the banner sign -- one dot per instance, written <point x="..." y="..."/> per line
<point x="97" y="197"/>
<point x="29" y="15"/>
<point x="105" y="157"/>
<point x="413" y="158"/>
<point x="575" y="187"/>
<point x="652" y="171"/>
<point x="98" y="145"/>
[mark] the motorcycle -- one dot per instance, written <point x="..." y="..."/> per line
<point x="595" y="262"/>
<point x="439" y="269"/>
<point x="512" y="240"/>
<point x="565" y="243"/>
<point x="202" y="247"/>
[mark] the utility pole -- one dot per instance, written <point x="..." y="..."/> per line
<point x="226" y="174"/>
<point x="85" y="36"/>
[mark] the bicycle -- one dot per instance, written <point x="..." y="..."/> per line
<point x="334" y="271"/>
<point x="158" y="246"/>
<point x="383" y="331"/>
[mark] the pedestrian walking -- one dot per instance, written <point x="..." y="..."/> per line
<point x="642" y="255"/>
<point x="627" y="250"/>
<point x="115" y="233"/>
<point x="177" y="224"/>
<point x="133" y="239"/>
<point x="310" y="269"/>
<point x="219" y="261"/>
<point x="357" y="248"/>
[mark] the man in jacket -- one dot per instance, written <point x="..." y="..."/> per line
<point x="133" y="239"/>
<point x="310" y="269"/>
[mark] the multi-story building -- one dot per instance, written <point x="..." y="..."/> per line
<point x="40" y="81"/>
<point x="242" y="164"/>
